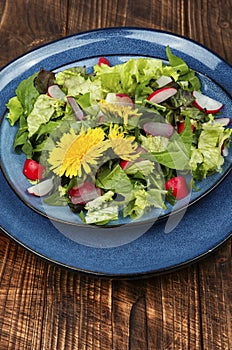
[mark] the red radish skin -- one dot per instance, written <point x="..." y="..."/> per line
<point x="224" y="150"/>
<point x="206" y="104"/>
<point x="84" y="193"/>
<point x="42" y="188"/>
<point x="55" y="91"/>
<point x="103" y="60"/>
<point x="120" y="98"/>
<point x="125" y="99"/>
<point x="178" y="186"/>
<point x="33" y="170"/>
<point x="162" y="94"/>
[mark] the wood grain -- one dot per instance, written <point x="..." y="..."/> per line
<point x="46" y="307"/>
<point x="215" y="284"/>
<point x="34" y="23"/>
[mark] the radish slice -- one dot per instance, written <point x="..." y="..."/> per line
<point x="158" y="129"/>
<point x="84" y="193"/>
<point x="223" y="121"/>
<point x="163" y="80"/>
<point x="103" y="60"/>
<point x="42" y="188"/>
<point x="76" y="109"/>
<point x="225" y="151"/>
<point x="122" y="99"/>
<point x="56" y="92"/>
<point x="206" y="103"/>
<point x="162" y="94"/>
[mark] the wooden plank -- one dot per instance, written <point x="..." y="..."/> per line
<point x="157" y="313"/>
<point x="215" y="21"/>
<point x="34" y="23"/>
<point x="78" y="311"/>
<point x="180" y="311"/>
<point x="215" y="283"/>
<point x="20" y="296"/>
<point x="48" y="307"/>
<point x="165" y="15"/>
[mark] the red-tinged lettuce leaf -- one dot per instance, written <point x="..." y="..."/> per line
<point x="43" y="80"/>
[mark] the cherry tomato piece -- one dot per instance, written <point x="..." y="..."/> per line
<point x="33" y="170"/>
<point x="123" y="163"/>
<point x="178" y="186"/>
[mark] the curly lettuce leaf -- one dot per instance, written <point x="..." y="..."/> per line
<point x="128" y="77"/>
<point x="75" y="83"/>
<point x="187" y="77"/>
<point x="207" y="158"/>
<point x="115" y="180"/>
<point x="101" y="209"/>
<point x="44" y="109"/>
<point x="15" y="110"/>
<point x="143" y="201"/>
<point x="27" y="94"/>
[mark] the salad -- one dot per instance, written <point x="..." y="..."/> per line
<point x="120" y="140"/>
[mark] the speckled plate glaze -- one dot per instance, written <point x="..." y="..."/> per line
<point x="205" y="225"/>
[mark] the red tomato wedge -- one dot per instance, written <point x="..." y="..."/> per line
<point x="33" y="170"/>
<point x="178" y="186"/>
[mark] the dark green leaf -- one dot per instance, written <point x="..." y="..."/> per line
<point x="43" y="80"/>
<point x="27" y="94"/>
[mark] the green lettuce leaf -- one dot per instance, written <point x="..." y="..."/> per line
<point x="101" y="209"/>
<point x="143" y="201"/>
<point x="126" y="77"/>
<point x="145" y="167"/>
<point x="76" y="84"/>
<point x="22" y="133"/>
<point x="15" y="110"/>
<point x="207" y="159"/>
<point x="174" y="157"/>
<point x="27" y="94"/>
<point x="187" y="77"/>
<point x="44" y="109"/>
<point x="176" y="62"/>
<point x="115" y="180"/>
<point x="187" y="136"/>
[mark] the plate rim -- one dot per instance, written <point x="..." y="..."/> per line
<point x="131" y="223"/>
<point x="115" y="29"/>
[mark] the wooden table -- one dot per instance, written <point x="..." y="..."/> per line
<point x="43" y="306"/>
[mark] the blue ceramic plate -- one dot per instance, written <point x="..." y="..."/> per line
<point x="122" y="251"/>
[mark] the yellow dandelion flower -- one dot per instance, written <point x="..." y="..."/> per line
<point x="121" y="111"/>
<point x="74" y="152"/>
<point x="122" y="145"/>
<point x="116" y="131"/>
